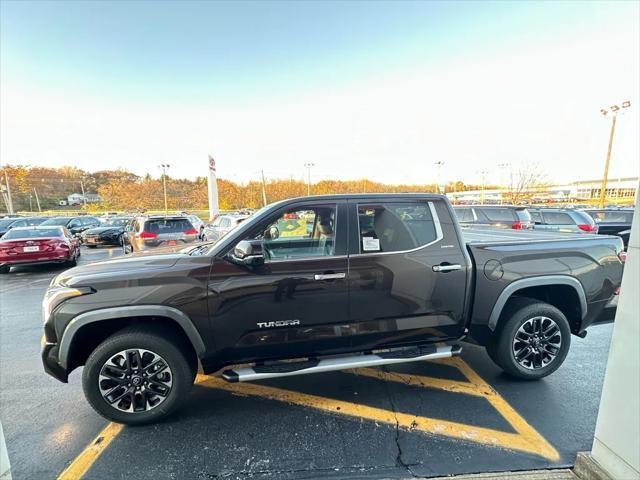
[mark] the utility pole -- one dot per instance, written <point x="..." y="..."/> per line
<point x="440" y="187"/>
<point x="309" y="166"/>
<point x="8" y="199"/>
<point x="37" y="199"/>
<point x="612" y="112"/>
<point x="84" y="197"/>
<point x="264" y="190"/>
<point x="164" y="167"/>
<point x="483" y="173"/>
<point x="503" y="167"/>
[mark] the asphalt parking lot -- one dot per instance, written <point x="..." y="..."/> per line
<point x="427" y="419"/>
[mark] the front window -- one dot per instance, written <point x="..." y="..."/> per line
<point x="300" y="233"/>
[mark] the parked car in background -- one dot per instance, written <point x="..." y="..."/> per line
<point x="109" y="233"/>
<point x="38" y="244"/>
<point x="562" y="220"/>
<point x="613" y="221"/>
<point x="148" y="232"/>
<point x="221" y="226"/>
<point x="198" y="224"/>
<point x="75" y="225"/>
<point x="502" y="216"/>
<point x="8" y="223"/>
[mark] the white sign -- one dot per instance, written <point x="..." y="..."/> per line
<point x="370" y="244"/>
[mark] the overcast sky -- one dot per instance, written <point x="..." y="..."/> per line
<point x="377" y="90"/>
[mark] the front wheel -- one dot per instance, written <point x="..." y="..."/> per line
<point x="136" y="377"/>
<point x="532" y="341"/>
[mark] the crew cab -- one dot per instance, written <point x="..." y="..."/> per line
<point x="323" y="283"/>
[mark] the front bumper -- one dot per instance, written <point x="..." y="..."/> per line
<point x="49" y="354"/>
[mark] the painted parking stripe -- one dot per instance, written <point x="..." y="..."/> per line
<point x="529" y="441"/>
<point x="90" y="454"/>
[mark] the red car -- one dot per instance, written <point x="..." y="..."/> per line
<point x="39" y="244"/>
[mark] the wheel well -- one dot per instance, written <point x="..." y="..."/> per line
<point x="563" y="297"/>
<point x="93" y="334"/>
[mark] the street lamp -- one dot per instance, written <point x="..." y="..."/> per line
<point x="612" y="112"/>
<point x="439" y="164"/>
<point x="164" y="167"/>
<point x="503" y="166"/>
<point x="309" y="166"/>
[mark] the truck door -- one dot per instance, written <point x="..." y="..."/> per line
<point x="408" y="273"/>
<point x="295" y="303"/>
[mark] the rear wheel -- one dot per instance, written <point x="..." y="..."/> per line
<point x="532" y="341"/>
<point x="5" y="269"/>
<point x="137" y="377"/>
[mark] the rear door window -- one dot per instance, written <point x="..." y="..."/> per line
<point x="395" y="227"/>
<point x="535" y="216"/>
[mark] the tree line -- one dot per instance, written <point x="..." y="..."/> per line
<point x="124" y="191"/>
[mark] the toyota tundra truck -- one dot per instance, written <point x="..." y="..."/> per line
<point x="323" y="283"/>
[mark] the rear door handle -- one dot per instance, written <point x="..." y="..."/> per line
<point x="446" y="268"/>
<point x="329" y="276"/>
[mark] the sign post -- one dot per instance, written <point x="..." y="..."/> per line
<point x="213" y="189"/>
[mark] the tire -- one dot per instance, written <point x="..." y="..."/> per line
<point x="72" y="262"/>
<point x="180" y="377"/>
<point x="542" y="343"/>
<point x="91" y="246"/>
<point x="5" y="269"/>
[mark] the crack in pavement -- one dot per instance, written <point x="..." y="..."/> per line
<point x="399" y="461"/>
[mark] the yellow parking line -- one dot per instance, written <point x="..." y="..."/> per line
<point x="478" y="387"/>
<point x="90" y="454"/>
<point x="485" y="436"/>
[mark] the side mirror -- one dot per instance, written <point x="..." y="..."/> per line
<point x="248" y="253"/>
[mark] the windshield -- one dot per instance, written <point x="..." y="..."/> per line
<point x="5" y="222"/>
<point x="18" y="233"/>
<point x="56" y="221"/>
<point x="116" y="222"/>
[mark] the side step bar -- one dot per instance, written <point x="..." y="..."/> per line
<point x="288" y="369"/>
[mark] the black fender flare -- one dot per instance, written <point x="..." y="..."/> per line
<point x="128" y="312"/>
<point x="536" y="282"/>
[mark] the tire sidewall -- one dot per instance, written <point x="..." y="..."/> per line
<point x="180" y="370"/>
<point x="505" y="347"/>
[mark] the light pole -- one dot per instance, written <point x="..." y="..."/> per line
<point x="484" y="175"/>
<point x="439" y="164"/>
<point x="503" y="167"/>
<point x="613" y="112"/>
<point x="309" y="166"/>
<point x="164" y="167"/>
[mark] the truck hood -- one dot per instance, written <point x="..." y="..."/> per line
<point x="130" y="266"/>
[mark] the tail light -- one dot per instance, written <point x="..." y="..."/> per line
<point x="147" y="235"/>
<point x="191" y="231"/>
<point x="66" y="246"/>
<point x="517" y="226"/>
<point x="622" y="256"/>
<point x="585" y="227"/>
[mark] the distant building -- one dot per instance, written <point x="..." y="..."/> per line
<point x="625" y="188"/>
<point x="79" y="199"/>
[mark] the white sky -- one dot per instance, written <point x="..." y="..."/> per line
<point x="534" y="103"/>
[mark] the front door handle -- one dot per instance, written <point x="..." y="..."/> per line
<point x="329" y="276"/>
<point x="446" y="268"/>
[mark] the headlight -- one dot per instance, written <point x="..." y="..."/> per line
<point x="56" y="295"/>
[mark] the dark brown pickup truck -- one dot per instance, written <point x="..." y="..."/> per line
<point x="323" y="283"/>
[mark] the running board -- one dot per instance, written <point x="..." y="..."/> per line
<point x="288" y="369"/>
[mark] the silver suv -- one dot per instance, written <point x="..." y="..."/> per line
<point x="221" y="226"/>
<point x="562" y="220"/>
<point x="144" y="233"/>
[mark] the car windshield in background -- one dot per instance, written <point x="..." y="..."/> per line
<point x="18" y="233"/>
<point x="168" y="225"/>
<point x="56" y="221"/>
<point x="5" y="222"/>
<point x="117" y="222"/>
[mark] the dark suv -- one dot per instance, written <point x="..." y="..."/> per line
<point x="503" y="216"/>
<point x="76" y="225"/>
<point x="148" y="232"/>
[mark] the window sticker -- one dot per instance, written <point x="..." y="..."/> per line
<point x="370" y="244"/>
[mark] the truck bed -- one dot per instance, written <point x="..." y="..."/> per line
<point x="483" y="236"/>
